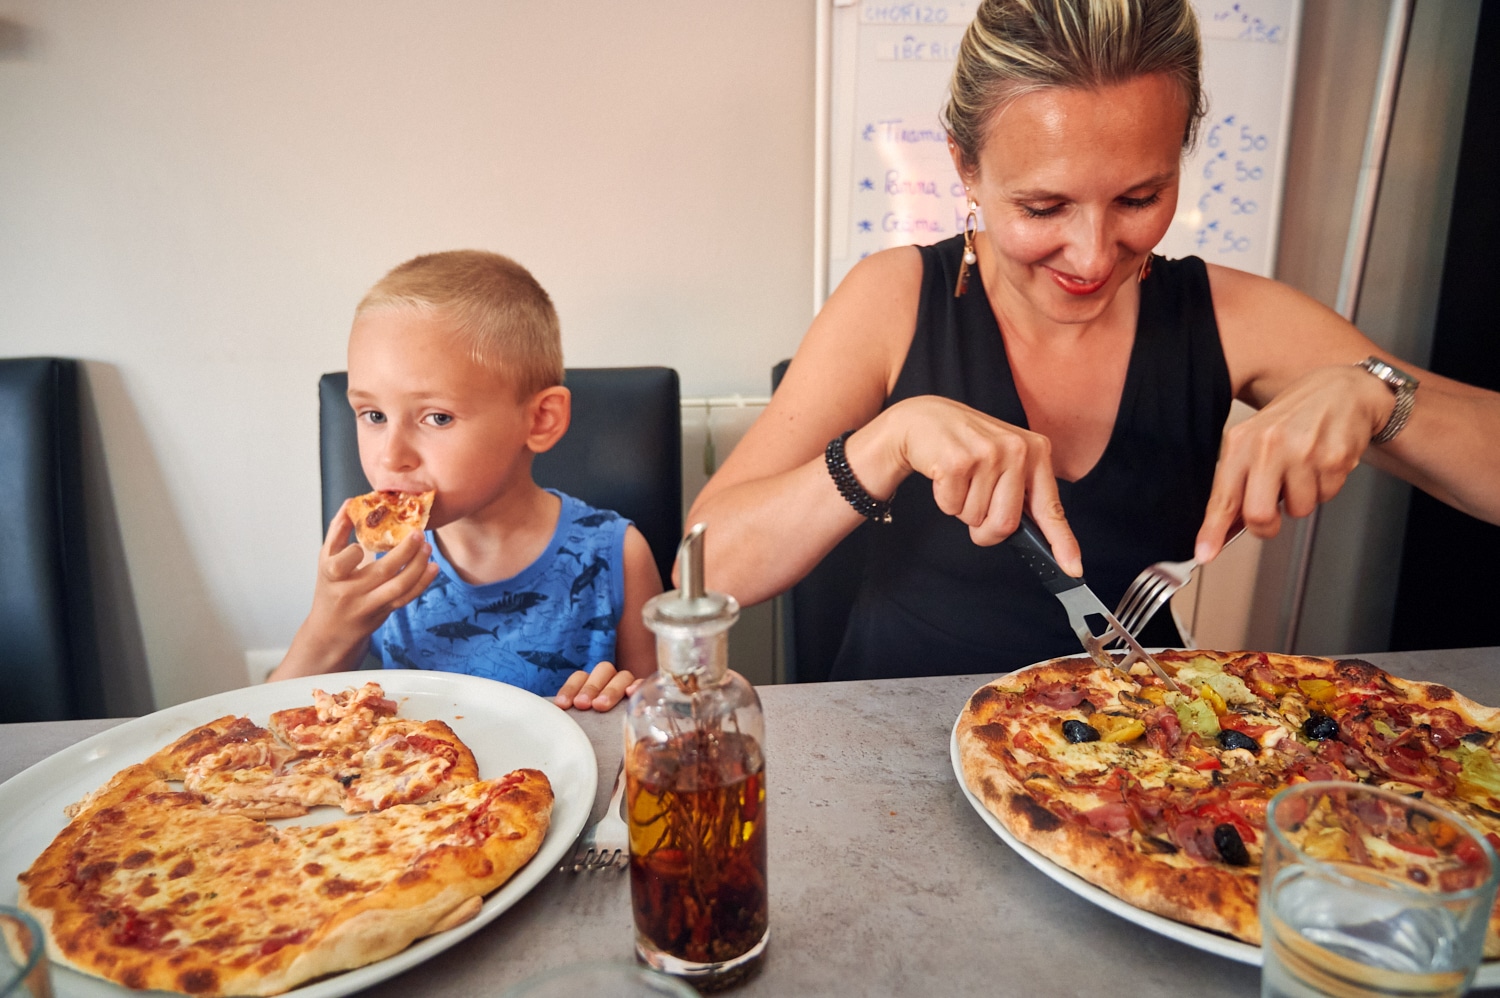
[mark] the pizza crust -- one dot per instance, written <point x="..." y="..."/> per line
<point x="1217" y="899"/>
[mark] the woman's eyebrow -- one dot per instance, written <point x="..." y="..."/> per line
<point x="1041" y="194"/>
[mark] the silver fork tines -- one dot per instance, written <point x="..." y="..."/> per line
<point x="1158" y="583"/>
<point x="607" y="844"/>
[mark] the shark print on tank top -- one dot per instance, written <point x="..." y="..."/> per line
<point x="533" y="630"/>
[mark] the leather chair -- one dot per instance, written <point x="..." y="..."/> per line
<point x="815" y="611"/>
<point x="623" y="450"/>
<point x="49" y="662"/>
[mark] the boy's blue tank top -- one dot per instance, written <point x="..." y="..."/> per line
<point x="533" y="630"/>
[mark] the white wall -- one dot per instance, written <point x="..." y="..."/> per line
<point x="194" y="195"/>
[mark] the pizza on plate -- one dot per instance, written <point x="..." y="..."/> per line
<point x="168" y="877"/>
<point x="384" y="519"/>
<point x="1159" y="796"/>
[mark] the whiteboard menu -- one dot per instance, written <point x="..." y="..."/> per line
<point x="886" y="178"/>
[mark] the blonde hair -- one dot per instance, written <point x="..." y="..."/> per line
<point x="495" y="304"/>
<point x="1014" y="47"/>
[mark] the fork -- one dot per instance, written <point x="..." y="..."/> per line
<point x="607" y="843"/>
<point x="1158" y="583"/>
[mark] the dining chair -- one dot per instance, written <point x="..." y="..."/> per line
<point x="815" y="611"/>
<point x="49" y="661"/>
<point x="622" y="451"/>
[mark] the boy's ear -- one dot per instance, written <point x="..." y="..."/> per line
<point x="551" y="411"/>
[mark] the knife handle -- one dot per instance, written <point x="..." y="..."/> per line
<point x="1033" y="549"/>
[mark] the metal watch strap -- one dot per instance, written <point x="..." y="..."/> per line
<point x="1402" y="385"/>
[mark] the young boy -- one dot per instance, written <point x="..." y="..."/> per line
<point x="455" y="378"/>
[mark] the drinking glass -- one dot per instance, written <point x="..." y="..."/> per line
<point x="23" y="957"/>
<point x="1367" y="892"/>
<point x="601" y="980"/>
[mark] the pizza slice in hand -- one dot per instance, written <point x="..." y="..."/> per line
<point x="384" y="519"/>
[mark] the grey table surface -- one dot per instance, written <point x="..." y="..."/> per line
<point x="884" y="881"/>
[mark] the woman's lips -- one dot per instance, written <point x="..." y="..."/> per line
<point x="1075" y="286"/>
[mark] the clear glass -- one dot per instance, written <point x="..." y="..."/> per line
<point x="601" y="980"/>
<point x="695" y="802"/>
<point x="23" y="958"/>
<point x="1368" y="892"/>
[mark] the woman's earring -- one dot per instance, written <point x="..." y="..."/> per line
<point x="971" y="226"/>
<point x="1145" y="269"/>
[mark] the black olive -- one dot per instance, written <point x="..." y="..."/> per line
<point x="1231" y="847"/>
<point x="1078" y="731"/>
<point x="1476" y="737"/>
<point x="346" y="780"/>
<point x="1232" y="739"/>
<point x="1320" y="727"/>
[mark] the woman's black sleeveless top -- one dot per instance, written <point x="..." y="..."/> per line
<point x="933" y="603"/>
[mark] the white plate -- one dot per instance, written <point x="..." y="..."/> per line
<point x="507" y="728"/>
<point x="1210" y="942"/>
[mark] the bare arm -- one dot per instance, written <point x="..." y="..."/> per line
<point x="1292" y="358"/>
<point x="773" y="510"/>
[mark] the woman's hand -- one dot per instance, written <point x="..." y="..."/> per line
<point x="1293" y="454"/>
<point x="984" y="471"/>
<point x="598" y="690"/>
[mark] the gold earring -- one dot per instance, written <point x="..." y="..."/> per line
<point x="1145" y="269"/>
<point x="971" y="226"/>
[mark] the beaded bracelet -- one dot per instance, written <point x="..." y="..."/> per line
<point x="864" y="504"/>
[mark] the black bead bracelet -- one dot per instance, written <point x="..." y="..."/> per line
<point x="864" y="504"/>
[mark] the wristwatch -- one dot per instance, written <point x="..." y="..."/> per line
<point x="1402" y="385"/>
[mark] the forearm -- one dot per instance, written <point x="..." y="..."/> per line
<point x="1450" y="448"/>
<point x="766" y="534"/>
<point x="314" y="651"/>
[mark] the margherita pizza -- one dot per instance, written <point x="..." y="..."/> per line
<point x="384" y="519"/>
<point x="185" y="888"/>
<point x="1159" y="796"/>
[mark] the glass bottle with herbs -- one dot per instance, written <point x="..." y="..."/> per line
<point x="695" y="792"/>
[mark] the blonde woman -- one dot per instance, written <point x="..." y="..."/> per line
<point x="1052" y="365"/>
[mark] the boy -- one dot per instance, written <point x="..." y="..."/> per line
<point x="455" y="378"/>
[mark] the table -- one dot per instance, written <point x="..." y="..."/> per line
<point x="883" y="879"/>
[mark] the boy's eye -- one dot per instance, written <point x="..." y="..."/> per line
<point x="372" y="416"/>
<point x="439" y="418"/>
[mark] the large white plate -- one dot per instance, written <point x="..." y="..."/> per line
<point x="1209" y="942"/>
<point x="507" y="728"/>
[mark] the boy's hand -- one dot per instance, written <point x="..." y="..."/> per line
<point x="355" y="592"/>
<point x="352" y="597"/>
<point x="599" y="690"/>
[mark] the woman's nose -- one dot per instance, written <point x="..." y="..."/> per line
<point x="1090" y="246"/>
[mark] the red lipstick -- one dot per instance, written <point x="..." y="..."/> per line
<point x="1073" y="286"/>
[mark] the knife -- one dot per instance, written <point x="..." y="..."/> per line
<point x="1079" y="601"/>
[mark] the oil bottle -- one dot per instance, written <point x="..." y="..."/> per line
<point x="695" y="792"/>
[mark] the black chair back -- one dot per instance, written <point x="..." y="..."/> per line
<point x="49" y="664"/>
<point x="623" y="450"/>
<point x="815" y="612"/>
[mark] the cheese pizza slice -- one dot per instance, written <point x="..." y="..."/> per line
<point x="384" y="519"/>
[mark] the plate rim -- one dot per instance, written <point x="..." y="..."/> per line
<point x="1488" y="975"/>
<point x="567" y="737"/>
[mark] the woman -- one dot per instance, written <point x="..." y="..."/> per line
<point x="1062" y="371"/>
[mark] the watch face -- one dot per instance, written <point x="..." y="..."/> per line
<point x="1393" y="376"/>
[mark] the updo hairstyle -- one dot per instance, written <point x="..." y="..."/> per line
<point x="1014" y="47"/>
